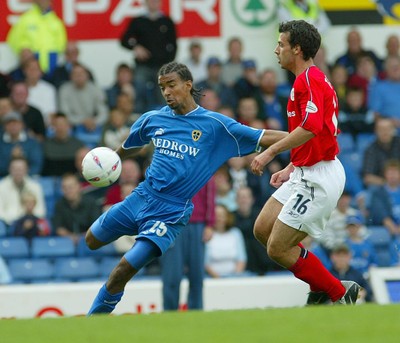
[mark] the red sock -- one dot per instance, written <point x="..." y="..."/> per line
<point x="310" y="269"/>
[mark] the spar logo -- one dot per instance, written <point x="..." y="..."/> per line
<point x="255" y="13"/>
<point x="83" y="18"/>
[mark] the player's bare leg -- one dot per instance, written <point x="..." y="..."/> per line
<point x="266" y="220"/>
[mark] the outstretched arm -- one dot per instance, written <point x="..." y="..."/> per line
<point x="297" y="137"/>
<point x="127" y="153"/>
<point x="272" y="136"/>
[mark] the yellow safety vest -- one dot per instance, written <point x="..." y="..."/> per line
<point x="43" y="33"/>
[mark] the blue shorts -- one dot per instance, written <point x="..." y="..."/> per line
<point x="147" y="214"/>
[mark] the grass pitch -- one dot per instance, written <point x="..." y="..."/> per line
<point x="324" y="324"/>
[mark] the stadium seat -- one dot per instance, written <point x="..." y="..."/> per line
<point x="3" y="229"/>
<point x="51" y="190"/>
<point x="352" y="160"/>
<point x="346" y="142"/>
<point x="52" y="247"/>
<point x="76" y="268"/>
<point x="379" y="236"/>
<point x="107" y="264"/>
<point x="364" y="140"/>
<point x="14" y="247"/>
<point x="84" y="251"/>
<point x="31" y="270"/>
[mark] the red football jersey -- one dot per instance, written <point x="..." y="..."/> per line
<point x="313" y="105"/>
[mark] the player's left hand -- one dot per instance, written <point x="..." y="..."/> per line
<point x="260" y="161"/>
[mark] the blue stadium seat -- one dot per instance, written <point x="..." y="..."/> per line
<point x="379" y="236"/>
<point x="84" y="251"/>
<point x="14" y="247"/>
<point x="384" y="246"/>
<point x="3" y="229"/>
<point x="52" y="191"/>
<point x="346" y="142"/>
<point x="364" y="140"/>
<point x="76" y="268"/>
<point x="52" y="247"/>
<point x="107" y="264"/>
<point x="31" y="270"/>
<point x="352" y="160"/>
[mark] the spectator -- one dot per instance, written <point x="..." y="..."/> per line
<point x="210" y="100"/>
<point x="354" y="117"/>
<point x="385" y="147"/>
<point x="42" y="94"/>
<point x="195" y="61"/>
<point x="15" y="142"/>
<point x="187" y="254"/>
<point x="362" y="251"/>
<point x="364" y="77"/>
<point x="13" y="186"/>
<point x="17" y="74"/>
<point x="355" y="50"/>
<point x="342" y="269"/>
<point x="131" y="174"/>
<point x="152" y="38"/>
<point x="247" y="111"/>
<point x="60" y="149"/>
<point x="83" y="103"/>
<point x="384" y="206"/>
<point x="392" y="46"/>
<point x="4" y="85"/>
<point x="245" y="216"/>
<point x="42" y="31"/>
<point x="5" y="107"/>
<point x="274" y="98"/>
<point x="213" y="80"/>
<point x="30" y="225"/>
<point x="226" y="194"/>
<point x="74" y="212"/>
<point x="225" y="253"/>
<point x="232" y="68"/>
<point x="116" y="130"/>
<point x="126" y="105"/>
<point x="33" y="118"/>
<point x="320" y="60"/>
<point x="339" y="77"/>
<point x="335" y="232"/>
<point x="62" y="72"/>
<point x="123" y="84"/>
<point x="383" y="96"/>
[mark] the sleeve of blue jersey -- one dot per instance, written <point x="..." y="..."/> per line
<point x="137" y="136"/>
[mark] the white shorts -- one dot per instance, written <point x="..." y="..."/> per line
<point x="310" y="195"/>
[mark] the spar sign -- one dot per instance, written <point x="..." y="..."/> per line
<point x="107" y="19"/>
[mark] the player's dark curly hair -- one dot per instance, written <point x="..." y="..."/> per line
<point x="304" y="35"/>
<point x="183" y="72"/>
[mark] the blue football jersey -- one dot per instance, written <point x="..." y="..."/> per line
<point x="188" y="149"/>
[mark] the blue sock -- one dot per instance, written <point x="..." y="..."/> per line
<point x="104" y="301"/>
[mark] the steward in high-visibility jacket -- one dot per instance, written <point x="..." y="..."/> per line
<point x="43" y="32"/>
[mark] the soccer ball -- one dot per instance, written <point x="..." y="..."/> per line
<point x="101" y="167"/>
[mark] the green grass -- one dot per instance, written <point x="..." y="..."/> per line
<point x="365" y="323"/>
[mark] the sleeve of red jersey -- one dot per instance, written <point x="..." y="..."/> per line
<point x="312" y="104"/>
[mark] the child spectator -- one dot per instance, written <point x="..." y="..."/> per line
<point x="29" y="225"/>
<point x="116" y="130"/>
<point x="362" y="251"/>
<point x="341" y="268"/>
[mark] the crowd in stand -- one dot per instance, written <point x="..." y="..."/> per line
<point x="50" y="120"/>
